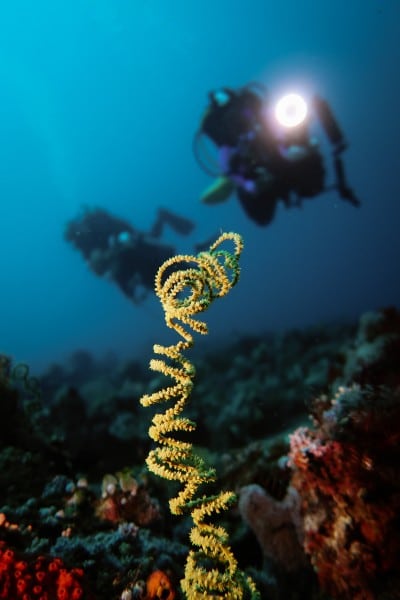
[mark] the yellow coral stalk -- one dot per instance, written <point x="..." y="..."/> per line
<point x="211" y="571"/>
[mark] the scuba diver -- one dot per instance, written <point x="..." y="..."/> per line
<point x="267" y="157"/>
<point x="114" y="249"/>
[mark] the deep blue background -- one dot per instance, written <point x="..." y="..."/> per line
<point x="99" y="103"/>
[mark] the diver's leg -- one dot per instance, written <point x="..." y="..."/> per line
<point x="259" y="207"/>
<point x="179" y="224"/>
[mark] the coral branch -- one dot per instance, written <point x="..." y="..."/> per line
<point x="211" y="571"/>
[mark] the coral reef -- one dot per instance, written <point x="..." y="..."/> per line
<point x="347" y="473"/>
<point x="74" y="487"/>
<point x="124" y="498"/>
<point x="41" y="578"/>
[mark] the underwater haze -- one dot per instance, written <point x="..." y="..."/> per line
<point x="100" y="101"/>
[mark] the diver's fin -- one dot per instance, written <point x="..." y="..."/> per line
<point x="217" y="192"/>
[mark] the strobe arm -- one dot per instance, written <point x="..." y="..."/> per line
<point x="337" y="139"/>
<point x="329" y="124"/>
<point x="343" y="188"/>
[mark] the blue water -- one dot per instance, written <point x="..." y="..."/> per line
<point x="99" y="103"/>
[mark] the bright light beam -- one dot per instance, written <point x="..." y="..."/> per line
<point x="291" y="110"/>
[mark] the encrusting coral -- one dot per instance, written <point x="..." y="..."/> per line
<point x="41" y="578"/>
<point x="346" y="471"/>
<point x="212" y="570"/>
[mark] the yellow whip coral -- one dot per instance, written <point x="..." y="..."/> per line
<point x="211" y="571"/>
